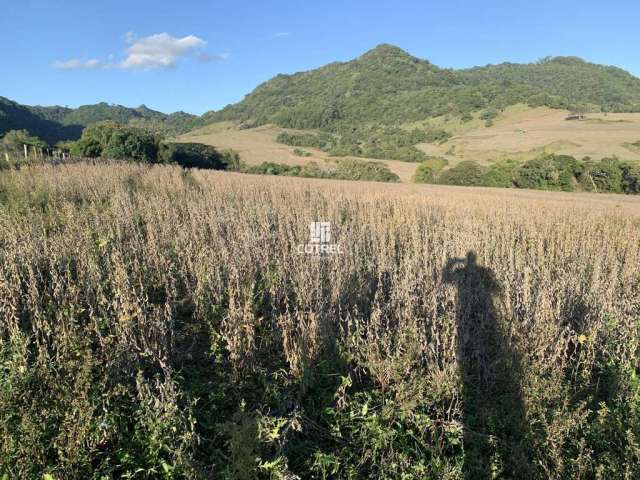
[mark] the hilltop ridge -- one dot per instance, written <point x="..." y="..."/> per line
<point x="55" y="123"/>
<point x="384" y="86"/>
<point x="388" y="85"/>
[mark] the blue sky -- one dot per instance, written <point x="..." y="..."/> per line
<point x="201" y="55"/>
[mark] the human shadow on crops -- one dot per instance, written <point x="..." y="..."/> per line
<point x="495" y="429"/>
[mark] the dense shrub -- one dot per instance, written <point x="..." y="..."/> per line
<point x="547" y="172"/>
<point x="630" y="178"/>
<point x="124" y="142"/>
<point x="346" y="169"/>
<point x="429" y="169"/>
<point x="606" y="175"/>
<point x="197" y="155"/>
<point x="367" y="141"/>
<point x="112" y="140"/>
<point x="467" y="173"/>
<point x="436" y="136"/>
<point x="500" y="174"/>
<point x="358" y="170"/>
<point x="15" y="139"/>
<point x="551" y="172"/>
<point x="272" y="168"/>
<point x="321" y="140"/>
<point x="490" y="114"/>
<point x="301" y="153"/>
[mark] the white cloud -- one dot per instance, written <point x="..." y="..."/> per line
<point x="78" y="64"/>
<point x="205" y="57"/>
<point x="160" y="50"/>
<point x="129" y="37"/>
<point x="281" y="34"/>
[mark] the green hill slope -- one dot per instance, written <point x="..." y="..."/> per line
<point x="388" y="86"/>
<point x="360" y="98"/>
<point x="56" y="123"/>
<point x="573" y="82"/>
<point x="42" y="122"/>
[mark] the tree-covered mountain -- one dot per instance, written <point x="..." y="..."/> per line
<point x="42" y="122"/>
<point x="388" y="86"/>
<point x="56" y="123"/>
<point x="385" y="87"/>
<point x="567" y="82"/>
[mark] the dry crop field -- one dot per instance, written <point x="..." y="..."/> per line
<point x="157" y="323"/>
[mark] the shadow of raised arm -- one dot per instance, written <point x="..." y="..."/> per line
<point x="449" y="272"/>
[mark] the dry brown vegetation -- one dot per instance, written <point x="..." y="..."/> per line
<point x="160" y="324"/>
<point x="522" y="134"/>
<point x="258" y="145"/>
<point x="518" y="133"/>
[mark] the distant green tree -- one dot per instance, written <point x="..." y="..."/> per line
<point x="550" y="172"/>
<point x="606" y="175"/>
<point x="500" y="174"/>
<point x="424" y="174"/>
<point x="15" y="139"/>
<point x="197" y="155"/>
<point x="272" y="168"/>
<point x="301" y="153"/>
<point x="467" y="173"/>
<point x="489" y="114"/>
<point x="434" y="136"/>
<point x="87" y="146"/>
<point x="358" y="170"/>
<point x="428" y="170"/>
<point x="371" y="141"/>
<point x="113" y="140"/>
<point x="630" y="178"/>
<point x="346" y="169"/>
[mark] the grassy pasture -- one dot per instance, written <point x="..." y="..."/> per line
<point x="258" y="145"/>
<point x="519" y="133"/>
<point x="157" y="323"/>
<point x="523" y="134"/>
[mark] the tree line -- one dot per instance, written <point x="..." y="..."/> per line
<point x="369" y="141"/>
<point x="127" y="142"/>
<point x="547" y="172"/>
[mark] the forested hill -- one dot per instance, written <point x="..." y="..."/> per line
<point x="39" y="121"/>
<point x="387" y="85"/>
<point x="57" y="123"/>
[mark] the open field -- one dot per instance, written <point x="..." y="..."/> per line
<point x="519" y="133"/>
<point x="157" y="323"/>
<point x="523" y="134"/>
<point x="257" y="145"/>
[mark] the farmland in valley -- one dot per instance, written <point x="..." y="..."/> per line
<point x="519" y="133"/>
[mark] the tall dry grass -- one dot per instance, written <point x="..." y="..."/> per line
<point x="161" y="324"/>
